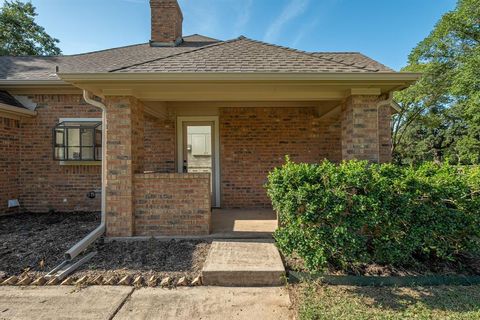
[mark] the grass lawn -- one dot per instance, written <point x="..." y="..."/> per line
<point x="320" y="301"/>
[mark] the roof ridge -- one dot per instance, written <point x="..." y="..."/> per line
<point x="178" y="54"/>
<point x="201" y="35"/>
<point x="306" y="53"/>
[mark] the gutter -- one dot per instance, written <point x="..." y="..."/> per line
<point x="239" y="76"/>
<point x="34" y="83"/>
<point x="100" y="230"/>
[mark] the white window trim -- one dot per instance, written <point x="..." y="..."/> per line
<point x="79" y="120"/>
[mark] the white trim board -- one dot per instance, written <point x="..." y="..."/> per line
<point x="179" y="142"/>
<point x="80" y="119"/>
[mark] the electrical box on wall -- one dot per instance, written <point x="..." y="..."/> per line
<point x="13" y="203"/>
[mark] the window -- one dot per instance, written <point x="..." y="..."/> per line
<point x="78" y="140"/>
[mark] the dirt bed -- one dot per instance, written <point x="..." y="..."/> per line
<point x="36" y="243"/>
<point x="465" y="266"/>
<point x="159" y="258"/>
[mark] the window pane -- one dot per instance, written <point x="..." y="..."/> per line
<point x="87" y="137"/>
<point x="59" y="137"/>
<point x="78" y="140"/>
<point x="98" y="138"/>
<point x="60" y="153"/>
<point x="87" y="153"/>
<point x="73" y="138"/>
<point x="98" y="153"/>
<point x="73" y="153"/>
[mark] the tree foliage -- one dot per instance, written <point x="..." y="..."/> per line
<point x="440" y="117"/>
<point x="20" y="34"/>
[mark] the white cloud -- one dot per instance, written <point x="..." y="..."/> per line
<point x="291" y="11"/>
<point x="243" y="17"/>
<point x="203" y="19"/>
<point x="136" y="1"/>
<point x="304" y="30"/>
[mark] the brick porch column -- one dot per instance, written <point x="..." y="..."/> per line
<point x="125" y="157"/>
<point x="365" y="129"/>
<point x="385" y="133"/>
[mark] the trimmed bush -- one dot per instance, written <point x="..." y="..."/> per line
<point x="359" y="212"/>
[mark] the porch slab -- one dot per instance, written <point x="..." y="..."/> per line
<point x="243" y="223"/>
<point x="243" y="263"/>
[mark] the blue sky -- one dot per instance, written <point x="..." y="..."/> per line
<point x="386" y="30"/>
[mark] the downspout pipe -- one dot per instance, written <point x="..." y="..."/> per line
<point x="100" y="230"/>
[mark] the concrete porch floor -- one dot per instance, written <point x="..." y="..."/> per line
<point x="243" y="223"/>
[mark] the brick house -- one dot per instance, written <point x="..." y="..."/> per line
<point x="187" y="123"/>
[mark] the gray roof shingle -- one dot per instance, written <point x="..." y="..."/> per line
<point x="196" y="54"/>
<point x="354" y="58"/>
<point x="246" y="55"/>
<point x="44" y="67"/>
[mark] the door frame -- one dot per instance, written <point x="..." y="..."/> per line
<point x="215" y="149"/>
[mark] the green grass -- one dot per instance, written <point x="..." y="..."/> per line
<point x="317" y="301"/>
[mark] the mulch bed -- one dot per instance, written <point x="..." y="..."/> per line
<point x="37" y="242"/>
<point x="159" y="258"/>
<point x="465" y="266"/>
<point x="34" y="244"/>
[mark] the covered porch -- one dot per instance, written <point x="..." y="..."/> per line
<point x="152" y="188"/>
<point x="243" y="223"/>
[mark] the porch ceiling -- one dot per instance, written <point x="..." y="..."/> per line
<point x="240" y="87"/>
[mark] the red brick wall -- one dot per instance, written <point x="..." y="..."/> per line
<point x="46" y="184"/>
<point x="385" y="133"/>
<point x="255" y="140"/>
<point x="166" y="23"/>
<point x="9" y="163"/>
<point x="360" y="130"/>
<point x="159" y="145"/>
<point x="169" y="204"/>
<point x="125" y="157"/>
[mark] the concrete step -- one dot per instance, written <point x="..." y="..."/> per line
<point x="243" y="263"/>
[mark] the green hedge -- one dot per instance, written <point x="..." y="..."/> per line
<point x="358" y="212"/>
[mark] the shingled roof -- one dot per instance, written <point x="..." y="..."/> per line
<point x="44" y="67"/>
<point x="196" y="54"/>
<point x="354" y="59"/>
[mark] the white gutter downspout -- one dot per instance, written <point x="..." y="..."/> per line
<point x="387" y="102"/>
<point x="100" y="230"/>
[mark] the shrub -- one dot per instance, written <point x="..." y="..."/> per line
<point x="358" y="212"/>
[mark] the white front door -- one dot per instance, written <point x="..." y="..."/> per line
<point x="197" y="141"/>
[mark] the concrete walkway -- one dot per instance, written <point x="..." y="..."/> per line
<point x="113" y="302"/>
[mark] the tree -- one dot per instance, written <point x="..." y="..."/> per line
<point x="20" y="34"/>
<point x="440" y="116"/>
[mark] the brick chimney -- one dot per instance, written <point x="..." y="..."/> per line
<point x="167" y="19"/>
